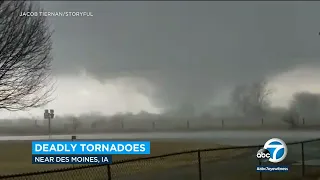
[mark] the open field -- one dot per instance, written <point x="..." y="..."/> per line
<point x="222" y="164"/>
<point x="16" y="157"/>
<point x="238" y="168"/>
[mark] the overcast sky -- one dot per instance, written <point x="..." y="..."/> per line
<point x="153" y="56"/>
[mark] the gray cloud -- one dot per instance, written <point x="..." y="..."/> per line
<point x="190" y="50"/>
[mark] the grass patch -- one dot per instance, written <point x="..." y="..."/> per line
<point x="15" y="157"/>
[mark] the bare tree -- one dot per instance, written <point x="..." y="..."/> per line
<point x="240" y="98"/>
<point x="260" y="97"/>
<point x="25" y="61"/>
<point x="291" y="117"/>
<point x="75" y="124"/>
<point x="252" y="100"/>
<point x="306" y="105"/>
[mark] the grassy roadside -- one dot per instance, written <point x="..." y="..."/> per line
<point x="15" y="157"/>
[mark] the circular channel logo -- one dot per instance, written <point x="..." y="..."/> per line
<point x="275" y="150"/>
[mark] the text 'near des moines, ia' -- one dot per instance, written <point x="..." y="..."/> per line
<point x="58" y="14"/>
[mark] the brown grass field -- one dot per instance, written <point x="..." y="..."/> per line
<point x="15" y="157"/>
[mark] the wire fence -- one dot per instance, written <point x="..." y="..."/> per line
<point x="203" y="164"/>
<point x="36" y="127"/>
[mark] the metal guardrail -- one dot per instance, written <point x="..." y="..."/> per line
<point x="109" y="172"/>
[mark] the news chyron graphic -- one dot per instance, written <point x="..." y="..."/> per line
<point x="274" y="150"/>
<point x="84" y="152"/>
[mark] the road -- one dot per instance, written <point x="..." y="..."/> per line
<point x="235" y="137"/>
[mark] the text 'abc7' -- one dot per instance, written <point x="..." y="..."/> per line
<point x="274" y="150"/>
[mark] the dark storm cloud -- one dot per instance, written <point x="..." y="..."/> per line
<point x="190" y="50"/>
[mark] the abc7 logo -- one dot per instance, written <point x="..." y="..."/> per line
<point x="263" y="155"/>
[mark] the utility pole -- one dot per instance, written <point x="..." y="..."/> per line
<point x="49" y="115"/>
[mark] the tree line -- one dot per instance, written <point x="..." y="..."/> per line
<point x="253" y="100"/>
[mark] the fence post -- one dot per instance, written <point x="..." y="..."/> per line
<point x="109" y="171"/>
<point x="122" y="124"/>
<point x="303" y="122"/>
<point x="188" y="125"/>
<point x="260" y="173"/>
<point x="302" y="159"/>
<point x="199" y="165"/>
<point x="72" y="139"/>
<point x="153" y="125"/>
<point x="262" y="121"/>
<point x="222" y="123"/>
